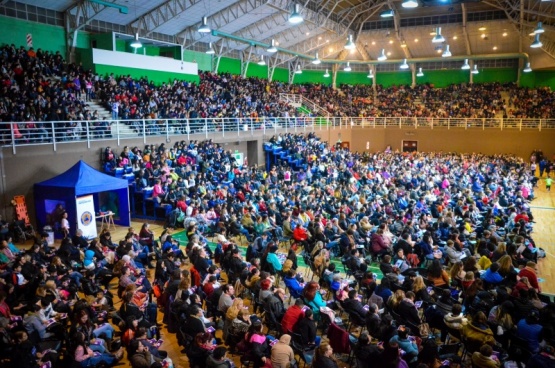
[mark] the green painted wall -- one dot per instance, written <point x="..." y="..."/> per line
<point x="443" y="78"/>
<point x="496" y="75"/>
<point x="102" y="41"/>
<point x="259" y="71"/>
<point x="46" y="37"/>
<point x="203" y="60"/>
<point x="229" y="65"/>
<point x="352" y="78"/>
<point x="156" y="76"/>
<point x="388" y="79"/>
<point x="538" y="79"/>
<point x="311" y="76"/>
<point x="281" y="75"/>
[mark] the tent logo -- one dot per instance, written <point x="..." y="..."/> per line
<point x="86" y="218"/>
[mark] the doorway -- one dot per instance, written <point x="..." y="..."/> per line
<point x="410" y="146"/>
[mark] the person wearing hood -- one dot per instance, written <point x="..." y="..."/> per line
<point x="88" y="262"/>
<point x="282" y="353"/>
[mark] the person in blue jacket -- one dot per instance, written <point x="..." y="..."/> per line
<point x="294" y="286"/>
<point x="492" y="275"/>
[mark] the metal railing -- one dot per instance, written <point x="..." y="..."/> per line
<point x="295" y="98"/>
<point x="60" y="132"/>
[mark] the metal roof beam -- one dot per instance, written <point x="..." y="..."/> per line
<point x="153" y="19"/>
<point x="219" y="20"/>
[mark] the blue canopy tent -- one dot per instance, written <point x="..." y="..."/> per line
<point x="109" y="193"/>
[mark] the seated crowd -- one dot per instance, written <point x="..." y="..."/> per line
<point x="451" y="235"/>
<point x="38" y="87"/>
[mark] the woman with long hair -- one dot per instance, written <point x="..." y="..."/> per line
<point x="457" y="273"/>
<point x="420" y="290"/>
<point x="324" y="357"/>
<point x="437" y="274"/>
<point x="86" y="357"/>
<point x="507" y="270"/>
<point x="232" y="313"/>
<point x="499" y="252"/>
<point x="396" y="299"/>
<point x="91" y="333"/>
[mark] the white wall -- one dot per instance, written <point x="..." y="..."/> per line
<point x="128" y="60"/>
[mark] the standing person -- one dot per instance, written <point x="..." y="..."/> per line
<point x="64" y="223"/>
<point x="548" y="181"/>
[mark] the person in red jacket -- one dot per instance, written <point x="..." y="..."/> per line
<point x="301" y="235"/>
<point x="530" y="272"/>
<point x="292" y="316"/>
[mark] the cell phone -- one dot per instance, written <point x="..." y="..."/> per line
<point x="380" y="343"/>
<point x="446" y="362"/>
<point x="210" y="329"/>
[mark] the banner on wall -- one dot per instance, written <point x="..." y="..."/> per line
<point x="86" y="220"/>
<point x="239" y="157"/>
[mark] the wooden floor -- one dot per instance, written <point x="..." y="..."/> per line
<point x="543" y="209"/>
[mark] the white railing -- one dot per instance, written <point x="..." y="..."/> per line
<point x="291" y="98"/>
<point x="295" y="98"/>
<point x="60" y="132"/>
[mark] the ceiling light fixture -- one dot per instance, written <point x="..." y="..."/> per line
<point x="327" y="74"/>
<point x="350" y="45"/>
<point x="296" y="17"/>
<point x="539" y="28"/>
<point x="370" y="75"/>
<point x="410" y="4"/>
<point x="210" y="50"/>
<point x="527" y="69"/>
<point x="382" y="56"/>
<point x="404" y="65"/>
<point x="272" y="47"/>
<point x="438" y="38"/>
<point x="136" y="43"/>
<point x="419" y="74"/>
<point x="316" y="60"/>
<point x="504" y="34"/>
<point x="537" y="43"/>
<point x="447" y="52"/>
<point x="482" y="28"/>
<point x="204" y="26"/>
<point x="261" y="61"/>
<point x="403" y="44"/>
<point x="465" y="66"/>
<point x="298" y="70"/>
<point x="387" y="13"/>
<point x="475" y="69"/>
<point x="348" y="67"/>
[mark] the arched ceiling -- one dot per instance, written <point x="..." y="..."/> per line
<point x="327" y="24"/>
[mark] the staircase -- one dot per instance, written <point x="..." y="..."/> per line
<point x="306" y="106"/>
<point x="297" y="100"/>
<point x="118" y="127"/>
<point x="103" y="113"/>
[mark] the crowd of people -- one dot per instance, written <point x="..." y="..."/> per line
<point x="39" y="87"/>
<point x="451" y="234"/>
